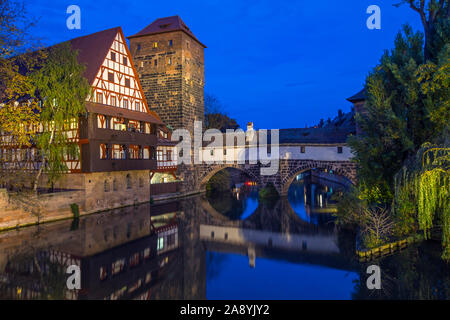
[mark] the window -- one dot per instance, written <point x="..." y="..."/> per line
<point x="212" y="152"/>
<point x="138" y="106"/>
<point x="224" y="152"/>
<point x="170" y="43"/>
<point x="101" y="122"/>
<point x="119" y="124"/>
<point x="128" y="181"/>
<point x="106" y="186"/>
<point x="302" y="149"/>
<point x="169" y="62"/>
<point x="125" y="61"/>
<point x="118" y="152"/>
<point x="113" y="101"/>
<point x="127" y="82"/>
<point x="125" y="103"/>
<point x="110" y="76"/>
<point x="115" y="185"/>
<point x="156" y="62"/>
<point x="104" y="151"/>
<point x="339" y="149"/>
<point x="117" y="266"/>
<point x="133" y="152"/>
<point x="160" y="243"/>
<point x="138" y="46"/>
<point x="103" y="273"/>
<point x="113" y="56"/>
<point x="99" y="97"/>
<point x="155" y="45"/>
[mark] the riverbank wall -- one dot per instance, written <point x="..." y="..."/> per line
<point x="91" y="193"/>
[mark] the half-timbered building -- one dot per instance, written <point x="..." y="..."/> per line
<point x="118" y="134"/>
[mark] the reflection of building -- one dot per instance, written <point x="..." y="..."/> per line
<point x="121" y="256"/>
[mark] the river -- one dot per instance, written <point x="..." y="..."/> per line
<point x="231" y="246"/>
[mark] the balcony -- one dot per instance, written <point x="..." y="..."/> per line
<point x="163" y="165"/>
<point x="163" y="188"/>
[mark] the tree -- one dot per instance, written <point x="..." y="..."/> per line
<point x="63" y="90"/>
<point x="398" y="120"/>
<point x="19" y="111"/>
<point x="215" y="117"/>
<point x="434" y="15"/>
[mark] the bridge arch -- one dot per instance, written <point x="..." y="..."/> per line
<point x="346" y="170"/>
<point x="213" y="169"/>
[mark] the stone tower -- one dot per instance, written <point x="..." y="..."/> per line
<point x="169" y="60"/>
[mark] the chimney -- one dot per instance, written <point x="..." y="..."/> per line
<point x="249" y="126"/>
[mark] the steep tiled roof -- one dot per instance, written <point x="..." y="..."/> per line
<point x="92" y="50"/>
<point x="163" y="25"/>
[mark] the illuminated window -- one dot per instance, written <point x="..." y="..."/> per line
<point x="160" y="243"/>
<point x="155" y="45"/>
<point x="103" y="273"/>
<point x="169" y="62"/>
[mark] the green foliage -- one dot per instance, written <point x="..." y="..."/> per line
<point x="405" y="212"/>
<point x="63" y="90"/>
<point x="268" y="192"/>
<point x="426" y="179"/>
<point x="407" y="105"/>
<point x="393" y="124"/>
<point x="219" y="183"/>
<point x="75" y="210"/>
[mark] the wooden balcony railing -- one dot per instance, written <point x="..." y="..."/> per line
<point x="162" y="188"/>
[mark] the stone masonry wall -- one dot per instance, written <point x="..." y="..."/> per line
<point x="172" y="77"/>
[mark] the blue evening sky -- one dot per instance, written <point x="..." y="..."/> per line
<point x="280" y="64"/>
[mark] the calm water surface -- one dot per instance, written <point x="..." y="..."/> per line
<point x="231" y="246"/>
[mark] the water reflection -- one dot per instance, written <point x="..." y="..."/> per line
<point x="201" y="248"/>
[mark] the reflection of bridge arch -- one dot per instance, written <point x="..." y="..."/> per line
<point x="342" y="169"/>
<point x="251" y="170"/>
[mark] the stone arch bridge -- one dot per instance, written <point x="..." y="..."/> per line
<point x="299" y="150"/>
<point x="197" y="177"/>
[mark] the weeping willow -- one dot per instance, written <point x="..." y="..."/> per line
<point x="427" y="179"/>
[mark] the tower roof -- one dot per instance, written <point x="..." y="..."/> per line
<point x="360" y="96"/>
<point x="163" y="25"/>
